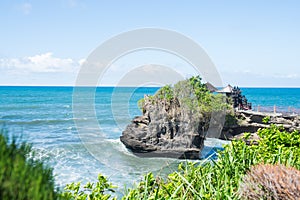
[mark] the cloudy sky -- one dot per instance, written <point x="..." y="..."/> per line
<point x="252" y="43"/>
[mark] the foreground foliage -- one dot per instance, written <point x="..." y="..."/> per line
<point x="89" y="191"/>
<point x="221" y="179"/>
<point x="22" y="177"/>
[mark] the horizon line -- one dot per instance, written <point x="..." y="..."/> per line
<point x="154" y="86"/>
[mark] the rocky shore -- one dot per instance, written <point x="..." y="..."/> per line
<point x="250" y="121"/>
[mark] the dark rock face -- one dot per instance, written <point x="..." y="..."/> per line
<point x="165" y="130"/>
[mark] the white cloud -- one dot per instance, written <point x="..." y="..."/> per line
<point x="245" y="78"/>
<point x="40" y="63"/>
<point x="291" y="76"/>
<point x="26" y="8"/>
<point x="81" y="61"/>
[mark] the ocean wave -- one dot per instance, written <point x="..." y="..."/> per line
<point x="18" y="107"/>
<point x="118" y="145"/>
<point x="12" y="117"/>
<point x="41" y="121"/>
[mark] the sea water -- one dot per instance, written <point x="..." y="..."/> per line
<point x="44" y="117"/>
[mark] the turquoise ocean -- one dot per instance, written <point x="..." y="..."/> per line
<point x="43" y="116"/>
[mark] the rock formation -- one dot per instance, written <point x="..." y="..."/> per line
<point x="166" y="129"/>
<point x="251" y="121"/>
<point x="176" y="120"/>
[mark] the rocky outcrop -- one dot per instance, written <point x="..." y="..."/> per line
<point x="166" y="129"/>
<point x="250" y="122"/>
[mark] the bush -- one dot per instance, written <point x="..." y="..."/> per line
<point x="271" y="182"/>
<point x="22" y="177"/>
<point x="165" y="92"/>
<point x="266" y="119"/>
<point x="95" y="191"/>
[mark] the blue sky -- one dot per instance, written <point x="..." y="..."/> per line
<point x="252" y="43"/>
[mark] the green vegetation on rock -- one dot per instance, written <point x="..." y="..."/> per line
<point x="266" y="119"/>
<point x="191" y="92"/>
<point x="193" y="97"/>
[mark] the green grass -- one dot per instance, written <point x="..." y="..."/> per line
<point x="22" y="177"/>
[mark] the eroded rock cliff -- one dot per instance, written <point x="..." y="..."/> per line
<point x="166" y="130"/>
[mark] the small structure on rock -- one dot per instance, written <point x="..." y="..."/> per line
<point x="210" y="87"/>
<point x="228" y="90"/>
<point x="239" y="101"/>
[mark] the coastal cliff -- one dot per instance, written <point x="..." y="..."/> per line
<point x="174" y="121"/>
